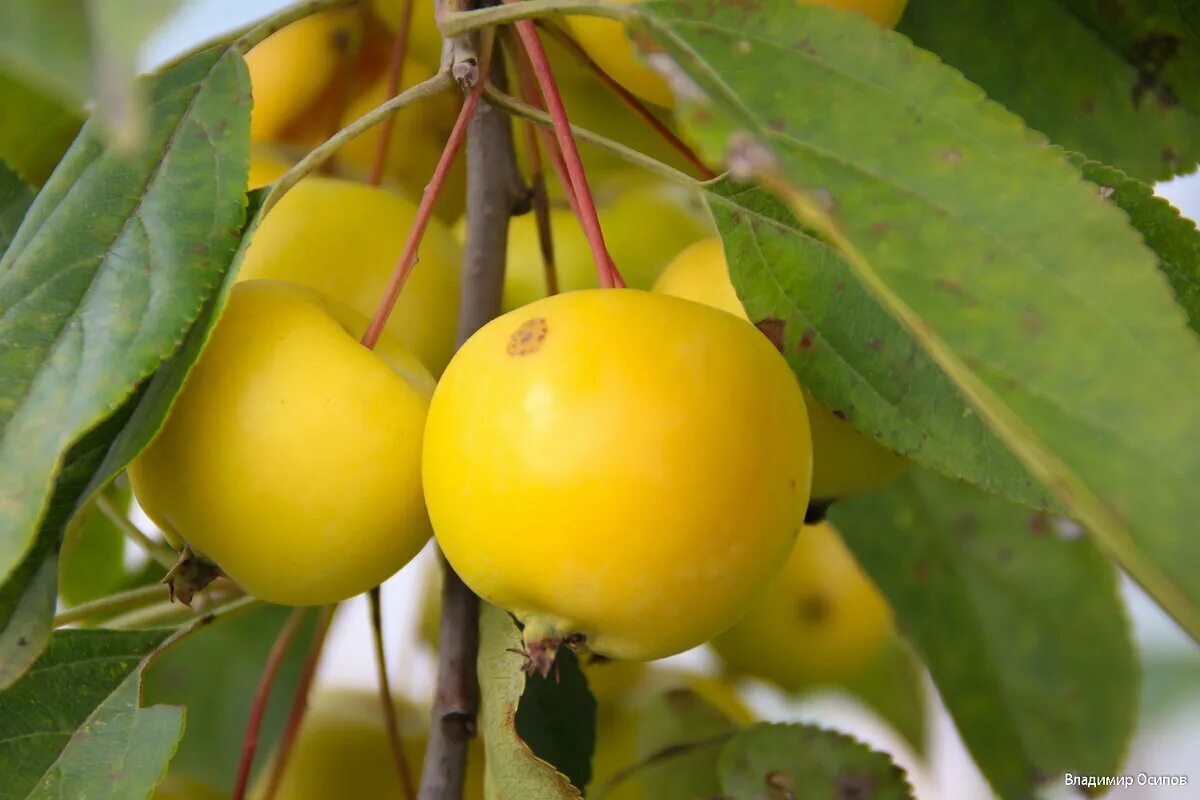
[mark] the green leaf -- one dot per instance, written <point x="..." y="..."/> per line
<point x="15" y="199"/>
<point x="1056" y="68"/>
<point x="1012" y="619"/>
<point x="35" y="130"/>
<point x="515" y="772"/>
<point x="27" y="598"/>
<point x="120" y="252"/>
<point x="92" y="558"/>
<point x="1170" y="235"/>
<point x="777" y="761"/>
<point x="849" y="352"/>
<point x="214" y="673"/>
<point x="47" y="44"/>
<point x="984" y="244"/>
<point x="121" y="750"/>
<point x="80" y="50"/>
<point x="72" y="726"/>
<point x="556" y="718"/>
<point x="683" y="734"/>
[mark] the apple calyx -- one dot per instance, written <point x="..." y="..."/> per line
<point x="190" y="574"/>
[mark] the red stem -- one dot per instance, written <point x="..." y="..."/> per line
<point x="395" y="73"/>
<point x="385" y="698"/>
<point x="424" y="213"/>
<point x="270" y="671"/>
<point x="609" y="276"/>
<point x="299" y="701"/>
<point x="631" y="100"/>
<point x="532" y="95"/>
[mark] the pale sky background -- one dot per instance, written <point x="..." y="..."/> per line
<point x="1170" y="747"/>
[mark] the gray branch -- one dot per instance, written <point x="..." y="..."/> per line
<point x="494" y="193"/>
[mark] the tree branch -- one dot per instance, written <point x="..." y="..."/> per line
<point x="494" y="192"/>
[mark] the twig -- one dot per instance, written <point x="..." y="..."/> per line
<point x="159" y="552"/>
<point x="609" y="275"/>
<point x="630" y="99"/>
<point x="458" y="23"/>
<point x="167" y="612"/>
<point x="300" y="701"/>
<point x="391" y="724"/>
<point x="324" y="151"/>
<point x="395" y="74"/>
<point x="494" y="192"/>
<point x="259" y="707"/>
<point x="408" y="258"/>
<point x="109" y="606"/>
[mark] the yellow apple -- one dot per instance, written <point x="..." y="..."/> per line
<point x="290" y="69"/>
<point x="581" y="471"/>
<point x="821" y="620"/>
<point x="291" y="457"/>
<point x="342" y="751"/>
<point x="845" y="461"/>
<point x="344" y="239"/>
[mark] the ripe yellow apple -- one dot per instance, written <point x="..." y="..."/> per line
<point x="628" y="208"/>
<point x="342" y="751"/>
<point x="292" y="456"/>
<point x="845" y="462"/>
<point x="607" y="42"/>
<point x="343" y="239"/>
<point x="419" y="134"/>
<point x="821" y="620"/>
<point x="291" y="68"/>
<point x="581" y="472"/>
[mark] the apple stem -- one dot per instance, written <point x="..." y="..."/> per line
<point x="610" y="277"/>
<point x="537" y="177"/>
<point x="395" y="75"/>
<point x="408" y="256"/>
<point x="385" y="697"/>
<point x="300" y="701"/>
<point x="638" y="159"/>
<point x="287" y="633"/>
<point x="630" y="99"/>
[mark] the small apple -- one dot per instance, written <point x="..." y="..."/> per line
<point x="598" y="479"/>
<point x="343" y="239"/>
<point x="821" y="620"/>
<point x="291" y="457"/>
<point x="342" y="751"/>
